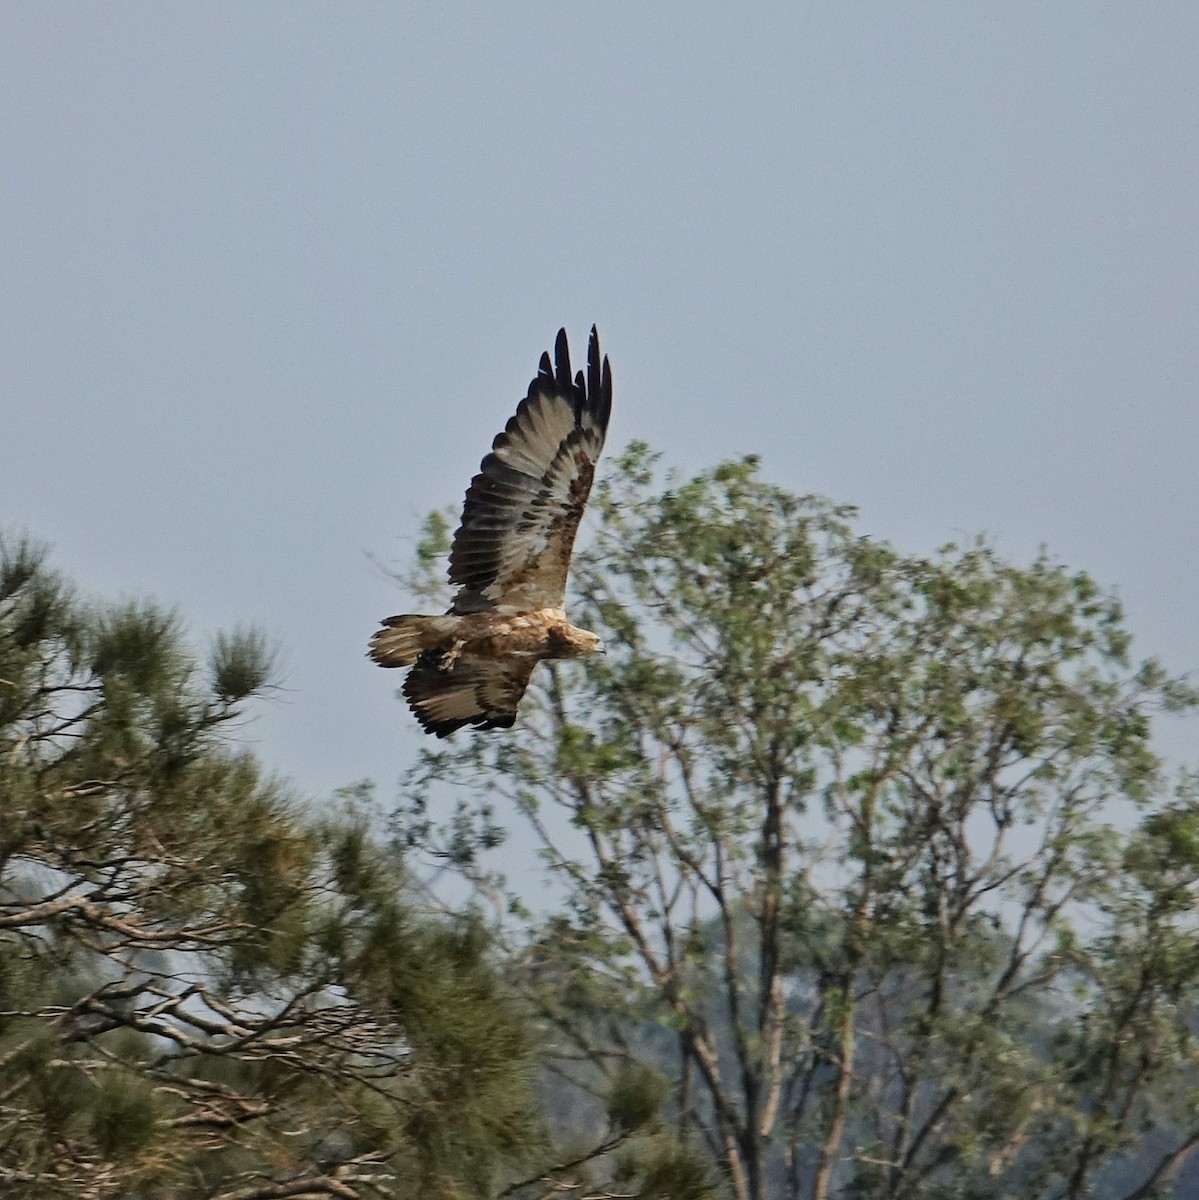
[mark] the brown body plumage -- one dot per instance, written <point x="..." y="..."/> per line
<point x="510" y="558"/>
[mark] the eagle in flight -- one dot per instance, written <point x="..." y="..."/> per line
<point x="509" y="558"/>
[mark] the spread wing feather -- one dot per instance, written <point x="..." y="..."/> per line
<point x="483" y="692"/>
<point x="512" y="548"/>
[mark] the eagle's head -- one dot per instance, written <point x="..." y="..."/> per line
<point x="574" y="642"/>
<point x="595" y="645"/>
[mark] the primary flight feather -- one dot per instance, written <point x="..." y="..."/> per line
<point x="510" y="557"/>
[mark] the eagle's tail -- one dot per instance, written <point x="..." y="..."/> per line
<point x="403" y="638"/>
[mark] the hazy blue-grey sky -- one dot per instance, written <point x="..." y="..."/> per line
<point x="274" y="274"/>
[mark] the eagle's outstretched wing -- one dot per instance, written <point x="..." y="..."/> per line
<point x="483" y="692"/>
<point x="513" y="545"/>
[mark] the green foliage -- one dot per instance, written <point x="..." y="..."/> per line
<point x="204" y="991"/>
<point x="636" y="1096"/>
<point x="242" y="664"/>
<point x="426" y="579"/>
<point x="672" y="1172"/>
<point x="870" y="852"/>
<point x="124" y="1115"/>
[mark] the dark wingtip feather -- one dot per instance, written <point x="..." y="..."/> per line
<point x="593" y="367"/>
<point x="562" y="358"/>
<point x="545" y="367"/>
<point x="599" y="380"/>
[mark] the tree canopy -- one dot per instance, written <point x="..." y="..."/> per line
<point x="859" y="865"/>
<point x="860" y="880"/>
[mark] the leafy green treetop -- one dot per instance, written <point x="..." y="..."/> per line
<point x="869" y="853"/>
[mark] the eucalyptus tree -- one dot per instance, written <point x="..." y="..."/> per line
<point x="868" y="854"/>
